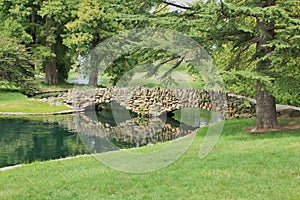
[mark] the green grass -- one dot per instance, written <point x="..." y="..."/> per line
<point x="180" y="75"/>
<point x="181" y="80"/>
<point x="17" y="102"/>
<point x="65" y="86"/>
<point x="241" y="166"/>
<point x="6" y="86"/>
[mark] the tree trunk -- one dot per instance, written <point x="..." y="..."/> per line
<point x="33" y="30"/>
<point x="266" y="116"/>
<point x="33" y="22"/>
<point x="93" y="79"/>
<point x="93" y="73"/>
<point x="50" y="68"/>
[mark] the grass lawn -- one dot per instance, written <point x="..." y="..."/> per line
<point x="242" y="166"/>
<point x="17" y="102"/>
<point x="182" y="81"/>
<point x="44" y="87"/>
<point x="180" y="76"/>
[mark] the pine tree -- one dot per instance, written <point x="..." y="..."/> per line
<point x="15" y="65"/>
<point x="257" y="42"/>
<point x="263" y="38"/>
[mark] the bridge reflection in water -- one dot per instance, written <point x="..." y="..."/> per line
<point x="115" y="127"/>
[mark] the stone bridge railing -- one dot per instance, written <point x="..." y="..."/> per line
<point x="155" y="101"/>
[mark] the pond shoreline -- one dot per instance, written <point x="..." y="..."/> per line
<point x="65" y="112"/>
<point x="59" y="159"/>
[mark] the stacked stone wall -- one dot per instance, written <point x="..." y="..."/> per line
<point x="155" y="101"/>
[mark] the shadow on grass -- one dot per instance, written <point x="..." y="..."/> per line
<point x="239" y="129"/>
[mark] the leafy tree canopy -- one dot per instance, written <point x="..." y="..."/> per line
<point x="16" y="64"/>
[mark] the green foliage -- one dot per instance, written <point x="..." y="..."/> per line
<point x="287" y="91"/>
<point x="61" y="12"/>
<point x="12" y="28"/>
<point x="63" y="61"/>
<point x="40" y="53"/>
<point x="16" y="65"/>
<point x="94" y="22"/>
<point x="26" y="21"/>
<point x="231" y="32"/>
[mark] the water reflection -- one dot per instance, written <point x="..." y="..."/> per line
<point x="100" y="136"/>
<point x="117" y="128"/>
<point x="23" y="140"/>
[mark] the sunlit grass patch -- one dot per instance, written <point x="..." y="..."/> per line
<point x="17" y="102"/>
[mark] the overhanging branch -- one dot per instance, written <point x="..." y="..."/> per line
<point x="177" y="5"/>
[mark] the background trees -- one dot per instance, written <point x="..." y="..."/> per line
<point x="39" y="25"/>
<point x="251" y="41"/>
<point x="255" y="44"/>
<point x="94" y="22"/>
<point x="16" y="64"/>
<point x="55" y="15"/>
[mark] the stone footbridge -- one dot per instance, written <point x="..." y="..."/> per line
<point x="155" y="101"/>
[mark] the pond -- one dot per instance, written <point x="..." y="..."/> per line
<point x="28" y="139"/>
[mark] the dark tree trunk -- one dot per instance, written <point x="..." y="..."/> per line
<point x="33" y="30"/>
<point x="266" y="116"/>
<point x="50" y="68"/>
<point x="33" y="22"/>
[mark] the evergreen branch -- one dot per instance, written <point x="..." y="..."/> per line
<point x="177" y="5"/>
<point x="236" y="12"/>
<point x="155" y="68"/>
<point x="237" y="58"/>
<point x="159" y="10"/>
<point x="275" y="27"/>
<point x="222" y="8"/>
<point x="167" y="76"/>
<point x="230" y="12"/>
<point x="294" y="15"/>
<point x="178" y="63"/>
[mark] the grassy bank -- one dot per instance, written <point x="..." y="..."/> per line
<point x="17" y="102"/>
<point x="241" y="166"/>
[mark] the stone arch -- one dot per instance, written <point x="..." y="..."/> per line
<point x="155" y="101"/>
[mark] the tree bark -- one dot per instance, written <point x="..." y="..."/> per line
<point x="266" y="116"/>
<point x="93" y="79"/>
<point x="93" y="74"/>
<point x="33" y="22"/>
<point x="50" y="68"/>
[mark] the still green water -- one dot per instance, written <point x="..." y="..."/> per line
<point x="28" y="139"/>
<point x="24" y="140"/>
